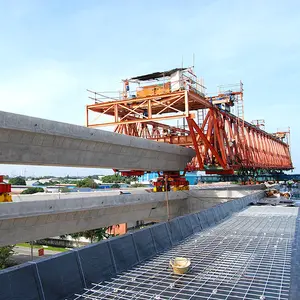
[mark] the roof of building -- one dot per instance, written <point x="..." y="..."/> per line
<point x="156" y="75"/>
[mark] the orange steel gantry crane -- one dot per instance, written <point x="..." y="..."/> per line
<point x="213" y="125"/>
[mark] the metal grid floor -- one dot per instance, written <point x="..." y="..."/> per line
<point x="246" y="257"/>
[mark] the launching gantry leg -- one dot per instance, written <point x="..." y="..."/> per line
<point x="170" y="181"/>
<point x="5" y="190"/>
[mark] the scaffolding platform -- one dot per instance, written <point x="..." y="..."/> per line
<point x="248" y="256"/>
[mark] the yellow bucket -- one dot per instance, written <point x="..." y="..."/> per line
<point x="180" y="265"/>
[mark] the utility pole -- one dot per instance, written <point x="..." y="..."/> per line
<point x="167" y="197"/>
<point x="31" y="249"/>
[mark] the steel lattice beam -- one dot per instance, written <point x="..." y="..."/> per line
<point x="223" y="142"/>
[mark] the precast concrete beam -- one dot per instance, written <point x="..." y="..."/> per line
<point x="46" y="215"/>
<point x="34" y="141"/>
<point x="33" y="220"/>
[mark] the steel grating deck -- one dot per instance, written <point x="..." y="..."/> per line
<point x="248" y="256"/>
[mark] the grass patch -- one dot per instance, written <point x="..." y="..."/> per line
<point x="51" y="248"/>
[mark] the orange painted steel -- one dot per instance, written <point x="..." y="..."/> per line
<point x="169" y="106"/>
<point x="223" y="142"/>
<point x="230" y="145"/>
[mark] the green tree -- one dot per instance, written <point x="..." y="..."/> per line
<point x="17" y="181"/>
<point x="64" y="189"/>
<point x="68" y="181"/>
<point x="5" y="256"/>
<point x="87" y="182"/>
<point x="33" y="190"/>
<point x="116" y="178"/>
<point x="94" y="235"/>
<point x="136" y="185"/>
<point x="115" y="186"/>
<point x="76" y="236"/>
<point x="47" y="183"/>
<point x="112" y="179"/>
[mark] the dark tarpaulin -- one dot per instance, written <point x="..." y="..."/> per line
<point x="60" y="275"/>
<point x="156" y="75"/>
<point x="161" y="237"/>
<point x="20" y="282"/>
<point x="144" y="243"/>
<point x="97" y="263"/>
<point x="124" y="252"/>
<point x="175" y="231"/>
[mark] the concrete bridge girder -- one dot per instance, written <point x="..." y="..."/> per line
<point x="68" y="213"/>
<point x="35" y="141"/>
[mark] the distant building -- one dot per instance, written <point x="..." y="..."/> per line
<point x="147" y="177"/>
<point x="192" y="177"/>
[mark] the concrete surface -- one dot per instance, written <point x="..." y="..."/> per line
<point x="51" y="214"/>
<point x="34" y="141"/>
<point x="229" y="193"/>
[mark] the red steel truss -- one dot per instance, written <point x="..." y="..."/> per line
<point x="223" y="142"/>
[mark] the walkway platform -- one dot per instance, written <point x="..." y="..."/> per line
<point x="237" y="251"/>
<point x="246" y="257"/>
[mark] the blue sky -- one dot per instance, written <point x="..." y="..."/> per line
<point x="52" y="51"/>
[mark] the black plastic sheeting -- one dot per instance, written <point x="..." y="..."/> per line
<point x="203" y="219"/>
<point x="124" y="252"/>
<point x="60" y="275"/>
<point x="63" y="275"/>
<point x="295" y="265"/>
<point x="161" y="237"/>
<point x="96" y="262"/>
<point x="20" y="282"/>
<point x="186" y="226"/>
<point x="210" y="216"/>
<point x="144" y="244"/>
<point x="195" y="223"/>
<point x="175" y="231"/>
